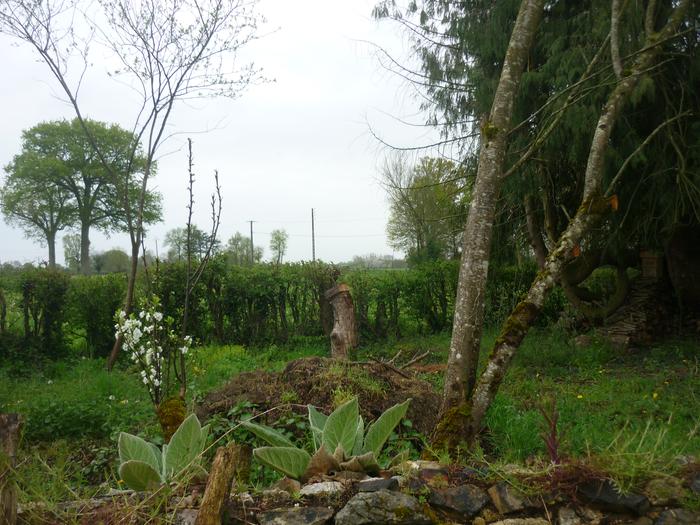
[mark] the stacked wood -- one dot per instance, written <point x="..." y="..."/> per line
<point x="645" y="315"/>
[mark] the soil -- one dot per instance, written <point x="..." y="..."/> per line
<point x="322" y="381"/>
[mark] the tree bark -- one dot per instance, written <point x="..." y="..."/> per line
<point x="460" y="375"/>
<point x="533" y="231"/>
<point x="223" y="470"/>
<point x="85" y="247"/>
<point x="10" y="426"/>
<point x="51" y="241"/>
<point x="593" y="208"/>
<point x="344" y="333"/>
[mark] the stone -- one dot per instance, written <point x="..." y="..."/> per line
<point x="375" y="484"/>
<point x="678" y="517"/>
<point x="522" y="521"/>
<point x="186" y="517"/>
<point x="275" y="497"/>
<point x="644" y="520"/>
<point x="435" y="477"/>
<point x="568" y="516"/>
<point x="695" y="483"/>
<point x="382" y="508"/>
<point x="324" y="488"/>
<point x="479" y="521"/>
<point x="604" y="494"/>
<point x="463" y="501"/>
<point x="296" y="516"/>
<point x="506" y="499"/>
<point x="592" y="517"/>
<point x="664" y="491"/>
<point x="289" y="485"/>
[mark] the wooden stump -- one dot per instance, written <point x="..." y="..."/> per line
<point x="227" y="462"/>
<point x="344" y="334"/>
<point x="10" y="426"/>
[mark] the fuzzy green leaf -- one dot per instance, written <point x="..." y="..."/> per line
<point x="359" y="436"/>
<point x="134" y="448"/>
<point x="341" y="427"/>
<point x="138" y="475"/>
<point x="289" y="461"/>
<point x="184" y="448"/>
<point x="379" y="431"/>
<point x="317" y="421"/>
<point x="267" y="434"/>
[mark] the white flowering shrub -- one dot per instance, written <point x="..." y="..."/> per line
<point x="152" y="344"/>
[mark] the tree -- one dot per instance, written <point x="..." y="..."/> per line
<point x="427" y="207"/>
<point x="31" y="199"/>
<point x="71" y="251"/>
<point x="576" y="149"/>
<point x="111" y="261"/>
<point x="97" y="195"/>
<point x="168" y="52"/>
<point x="176" y="240"/>
<point x="278" y="245"/>
<point x="237" y="251"/>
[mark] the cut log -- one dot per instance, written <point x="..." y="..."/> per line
<point x="223" y="470"/>
<point x="344" y="334"/>
<point x="10" y="427"/>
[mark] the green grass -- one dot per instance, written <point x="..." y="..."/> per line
<point x="630" y="413"/>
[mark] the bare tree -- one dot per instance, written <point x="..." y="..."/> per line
<point x="167" y="51"/>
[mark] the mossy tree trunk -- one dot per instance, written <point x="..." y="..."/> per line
<point x="592" y="210"/>
<point x="463" y="358"/>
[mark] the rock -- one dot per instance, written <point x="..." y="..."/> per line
<point x="642" y="521"/>
<point x="325" y="488"/>
<point x="463" y="501"/>
<point x="664" y="491"/>
<point x="382" y="508"/>
<point x="186" y="517"/>
<point x="606" y="496"/>
<point x="275" y="497"/>
<point x="506" y="499"/>
<point x="678" y="517"/>
<point x="592" y="517"/>
<point x="479" y="521"/>
<point x="375" y="484"/>
<point x="296" y="516"/>
<point x="568" y="516"/>
<point x="695" y="483"/>
<point x="522" y="521"/>
<point x="289" y="485"/>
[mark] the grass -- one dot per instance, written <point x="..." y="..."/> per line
<point x="631" y="413"/>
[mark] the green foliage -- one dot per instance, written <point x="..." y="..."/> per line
<point x="144" y="467"/>
<point x="341" y="434"/>
<point x="91" y="304"/>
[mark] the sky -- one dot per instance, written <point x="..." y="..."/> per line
<point x="301" y="141"/>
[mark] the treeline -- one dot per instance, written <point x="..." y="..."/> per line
<point x="48" y="312"/>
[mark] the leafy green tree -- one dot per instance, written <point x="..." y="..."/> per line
<point x="111" y="261"/>
<point x="176" y="241"/>
<point x="427" y="207"/>
<point x="237" y="251"/>
<point x="31" y="199"/>
<point x="60" y="154"/>
<point x="71" y="251"/>
<point x="278" y="245"/>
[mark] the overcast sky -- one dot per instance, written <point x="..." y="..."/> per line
<point x="297" y="143"/>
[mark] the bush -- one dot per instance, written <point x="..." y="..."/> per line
<point x="92" y="303"/>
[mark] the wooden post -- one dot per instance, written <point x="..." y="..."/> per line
<point x="223" y="470"/>
<point x="10" y="426"/>
<point x="344" y="334"/>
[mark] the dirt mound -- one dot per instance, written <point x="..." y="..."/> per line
<point x="324" y="383"/>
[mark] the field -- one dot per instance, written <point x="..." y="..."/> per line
<point x="631" y="414"/>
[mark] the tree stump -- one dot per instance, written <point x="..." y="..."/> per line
<point x="344" y="333"/>
<point x="10" y="426"/>
<point x="223" y="470"/>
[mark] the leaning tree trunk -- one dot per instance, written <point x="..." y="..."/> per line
<point x="344" y="334"/>
<point x="460" y="374"/>
<point x="593" y="207"/>
<point x="10" y="427"/>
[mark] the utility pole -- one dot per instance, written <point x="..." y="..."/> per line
<point x="252" y="247"/>
<point x="313" y="237"/>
